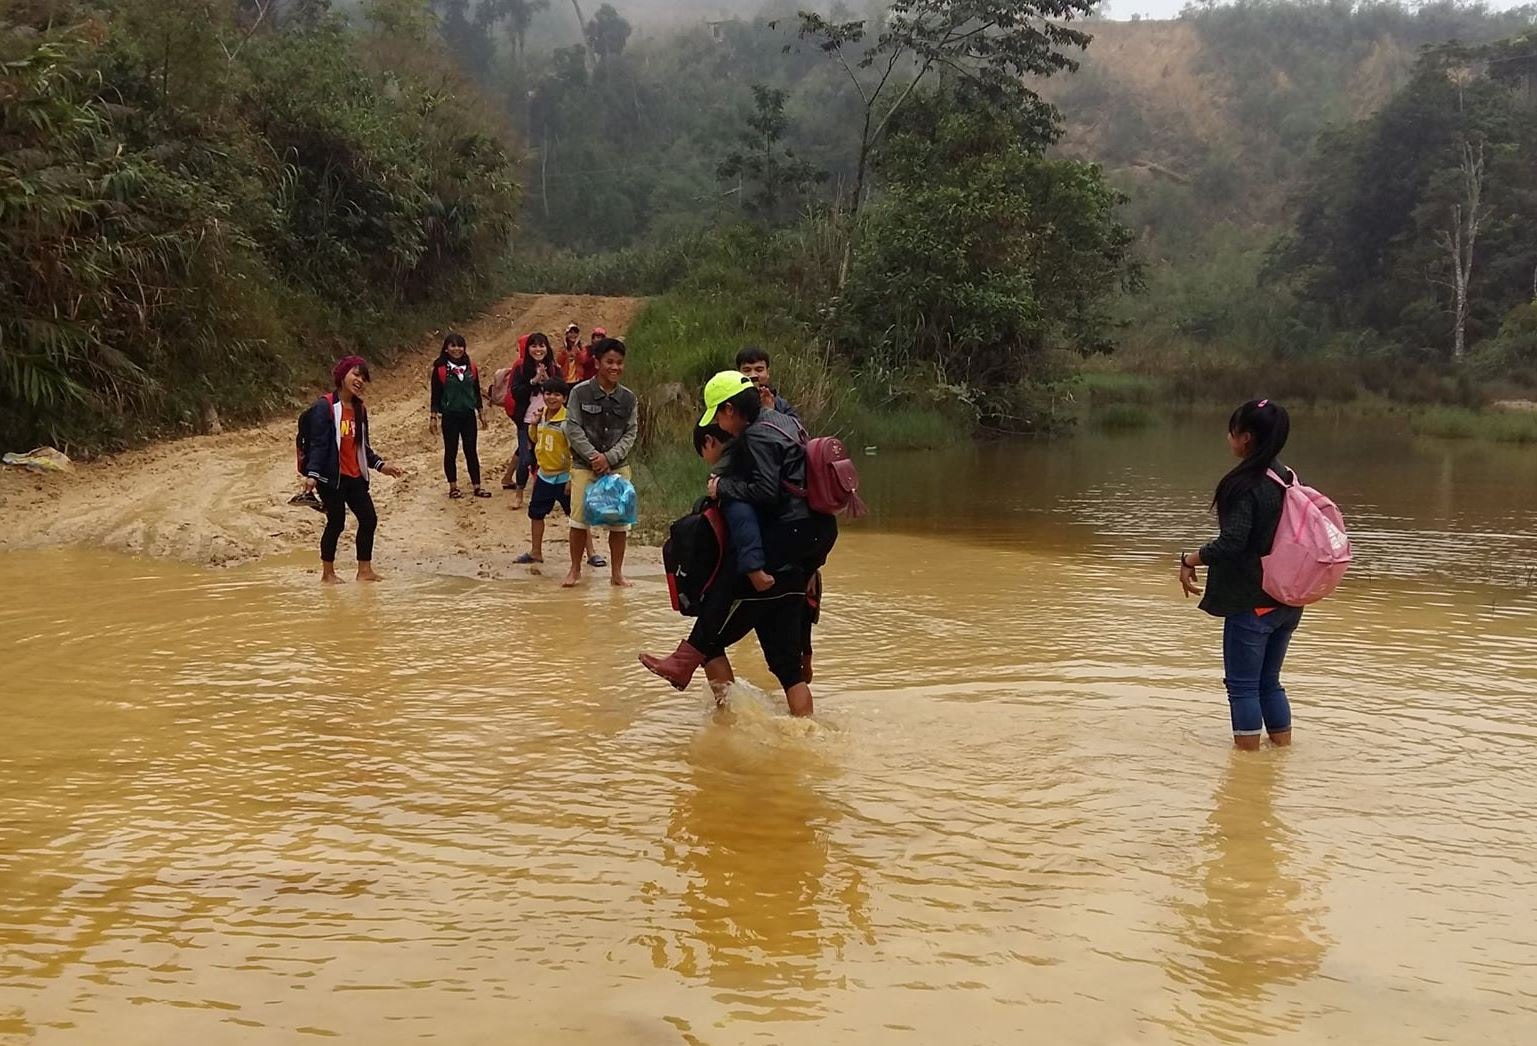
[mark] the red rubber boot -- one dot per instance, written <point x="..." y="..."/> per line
<point x="677" y="668"/>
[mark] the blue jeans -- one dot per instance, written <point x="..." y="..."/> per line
<point x="1253" y="649"/>
<point x="525" y="458"/>
<point x="746" y="536"/>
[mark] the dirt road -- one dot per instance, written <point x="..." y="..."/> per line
<point x="222" y="500"/>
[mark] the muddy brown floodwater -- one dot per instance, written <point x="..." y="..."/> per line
<point x="235" y="808"/>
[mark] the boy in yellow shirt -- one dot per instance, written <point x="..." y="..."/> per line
<point x="552" y="485"/>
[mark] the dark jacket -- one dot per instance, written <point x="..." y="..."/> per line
<point x="599" y="422"/>
<point x="458" y="397"/>
<point x="320" y="441"/>
<point x="769" y="457"/>
<point x="1234" y="573"/>
<point x="524" y="387"/>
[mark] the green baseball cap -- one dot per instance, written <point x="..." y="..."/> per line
<point x="721" y="388"/>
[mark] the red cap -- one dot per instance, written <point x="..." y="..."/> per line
<point x="599" y="332"/>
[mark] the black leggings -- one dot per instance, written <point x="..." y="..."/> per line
<point x="778" y="616"/>
<point x="353" y="494"/>
<point x="457" y="427"/>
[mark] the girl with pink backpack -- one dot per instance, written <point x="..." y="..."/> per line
<point x="1282" y="546"/>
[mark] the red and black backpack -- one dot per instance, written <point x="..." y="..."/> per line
<point x="694" y="556"/>
<point x="443" y="373"/>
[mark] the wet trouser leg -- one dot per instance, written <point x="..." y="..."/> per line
<point x="1253" y="650"/>
<point x="350" y="493"/>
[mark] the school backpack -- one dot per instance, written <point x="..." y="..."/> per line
<point x="832" y="480"/>
<point x="301" y="444"/>
<point x="1311" y="550"/>
<point x="443" y="373"/>
<point x="693" y="556"/>
<point x="501" y="388"/>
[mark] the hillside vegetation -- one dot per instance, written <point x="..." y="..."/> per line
<point x="201" y="201"/>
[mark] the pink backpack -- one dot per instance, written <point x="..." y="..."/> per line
<point x="832" y="480"/>
<point x="1311" y="550"/>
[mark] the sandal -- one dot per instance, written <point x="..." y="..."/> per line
<point x="596" y="561"/>
<point x="528" y="557"/>
<point x="482" y="492"/>
<point x="455" y="492"/>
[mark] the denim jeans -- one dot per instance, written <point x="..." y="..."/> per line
<point x="1253" y="649"/>
<point x="746" y="536"/>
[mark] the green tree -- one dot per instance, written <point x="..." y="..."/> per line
<point x="773" y="179"/>
<point x="1389" y="236"/>
<point x="982" y="253"/>
<point x="607" y="33"/>
<point x="991" y="46"/>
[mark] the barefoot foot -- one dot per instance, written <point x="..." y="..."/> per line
<point x="572" y="580"/>
<point x="619" y="581"/>
<point x="367" y="574"/>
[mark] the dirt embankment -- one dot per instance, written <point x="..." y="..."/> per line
<point x="222" y="500"/>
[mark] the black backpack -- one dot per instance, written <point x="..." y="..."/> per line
<point x="693" y="556"/>
<point x="301" y="438"/>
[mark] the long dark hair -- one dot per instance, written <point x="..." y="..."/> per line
<point x="453" y="338"/>
<point x="1269" y="425"/>
<point x="531" y="365"/>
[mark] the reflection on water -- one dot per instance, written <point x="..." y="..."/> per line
<point x="1254" y="925"/>
<point x="237" y="808"/>
<point x="770" y="897"/>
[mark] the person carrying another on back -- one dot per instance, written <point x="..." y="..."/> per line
<point x="552" y="480"/>
<point x="457" y="407"/>
<point x="717" y="447"/>
<point x="334" y="458"/>
<point x="602" y="423"/>
<point x="530" y="373"/>
<point x="768" y="462"/>
<point x="754" y="363"/>
<point x="1257" y="628"/>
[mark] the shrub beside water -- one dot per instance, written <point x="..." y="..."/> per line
<point x="1123" y="417"/>
<point x="1462" y="423"/>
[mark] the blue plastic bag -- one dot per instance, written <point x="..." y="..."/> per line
<point x="609" y="502"/>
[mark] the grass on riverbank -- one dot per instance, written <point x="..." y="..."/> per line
<point x="1461" y="423"/>
<point x="1193" y="374"/>
<point x="1131" y="399"/>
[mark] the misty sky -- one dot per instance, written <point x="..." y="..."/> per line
<point x="1171" y="8"/>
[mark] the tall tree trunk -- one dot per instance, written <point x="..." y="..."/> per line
<point x="1467" y="216"/>
<point x="544" y="174"/>
<point x="851" y="229"/>
<point x="581" y="24"/>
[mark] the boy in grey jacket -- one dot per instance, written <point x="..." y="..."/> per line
<point x="602" y="423"/>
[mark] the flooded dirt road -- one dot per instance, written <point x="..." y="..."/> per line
<point x="240" y="809"/>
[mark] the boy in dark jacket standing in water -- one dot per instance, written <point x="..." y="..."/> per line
<point x="335" y="456"/>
